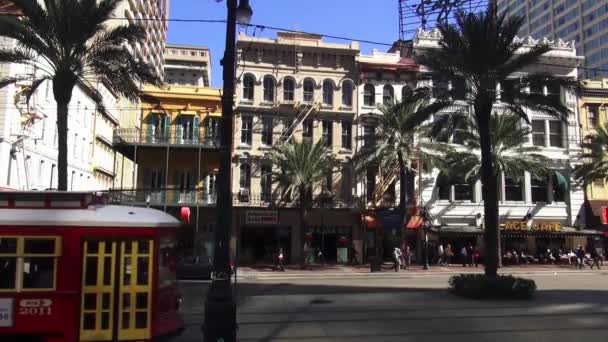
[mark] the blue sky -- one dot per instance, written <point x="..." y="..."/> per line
<point x="375" y="20"/>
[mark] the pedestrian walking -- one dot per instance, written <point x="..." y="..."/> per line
<point x="352" y="254"/>
<point x="440" y="258"/>
<point x="463" y="256"/>
<point x="407" y="256"/>
<point x="470" y="254"/>
<point x="279" y="261"/>
<point x="580" y="257"/>
<point x="397" y="258"/>
<point x="448" y="254"/>
<point x="595" y="258"/>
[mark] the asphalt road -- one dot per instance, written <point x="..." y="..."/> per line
<point x="568" y="307"/>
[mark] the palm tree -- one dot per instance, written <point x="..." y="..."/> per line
<point x="512" y="156"/>
<point x="595" y="157"/>
<point x="302" y="166"/>
<point x="68" y="43"/>
<point x="397" y="141"/>
<point x="481" y="51"/>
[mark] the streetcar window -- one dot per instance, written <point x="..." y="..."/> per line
<point x="8" y="269"/>
<point x="28" y="263"/>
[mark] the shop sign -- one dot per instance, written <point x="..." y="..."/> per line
<point x="6" y="312"/>
<point x="262" y="217"/>
<point x="535" y="227"/>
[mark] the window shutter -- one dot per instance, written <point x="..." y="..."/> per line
<point x="150" y="128"/>
<point x="167" y="127"/>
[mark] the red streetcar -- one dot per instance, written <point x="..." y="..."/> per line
<point x="73" y="268"/>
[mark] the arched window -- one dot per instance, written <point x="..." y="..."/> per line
<point x="406" y="92"/>
<point x="328" y="92"/>
<point x="288" y="89"/>
<point x="248" y="84"/>
<point x="245" y="176"/>
<point x="309" y="90"/>
<point x="388" y="94"/>
<point x="369" y="95"/>
<point x="347" y="94"/>
<point x="269" y="89"/>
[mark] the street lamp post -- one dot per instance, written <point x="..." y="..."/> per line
<point x="220" y="307"/>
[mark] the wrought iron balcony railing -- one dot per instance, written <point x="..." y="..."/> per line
<point x="161" y="197"/>
<point x="176" y="135"/>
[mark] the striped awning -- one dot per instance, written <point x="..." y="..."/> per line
<point x="415" y="222"/>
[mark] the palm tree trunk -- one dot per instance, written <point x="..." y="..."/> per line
<point x="303" y="224"/>
<point x="62" y="146"/>
<point x="490" y="189"/>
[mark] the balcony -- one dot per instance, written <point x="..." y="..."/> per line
<point x="162" y="197"/>
<point x="244" y="199"/>
<point x="175" y="136"/>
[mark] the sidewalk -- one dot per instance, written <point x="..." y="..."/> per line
<point x="332" y="271"/>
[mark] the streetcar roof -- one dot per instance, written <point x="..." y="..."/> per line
<point x="92" y="216"/>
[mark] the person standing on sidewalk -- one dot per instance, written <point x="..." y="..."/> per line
<point x="440" y="258"/>
<point x="463" y="255"/>
<point x="448" y="254"/>
<point x="397" y="258"/>
<point x="470" y="254"/>
<point x="279" y="261"/>
<point x="580" y="257"/>
<point x="595" y="258"/>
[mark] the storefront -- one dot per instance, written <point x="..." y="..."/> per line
<point x="262" y="236"/>
<point x="334" y="243"/>
<point x="385" y="230"/>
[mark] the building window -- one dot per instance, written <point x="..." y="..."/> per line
<point x="593" y="113"/>
<point x="267" y="125"/>
<point x="309" y="90"/>
<point x="328" y="93"/>
<point x="248" y="87"/>
<point x="368" y="135"/>
<point x="246" y="129"/>
<point x="245" y="176"/>
<point x="370" y="181"/>
<point x="269" y="89"/>
<point x="369" y="95"/>
<point x="346" y="182"/>
<point x="540" y="190"/>
<point x="307" y="126"/>
<point x="555" y="134"/>
<point x="347" y="136"/>
<point x="28" y="263"/>
<point x="266" y="183"/>
<point x="406" y="92"/>
<point x="288" y="90"/>
<point x="388" y="94"/>
<point x="463" y="192"/>
<point x="538" y="132"/>
<point x="460" y="132"/>
<point x="327" y="133"/>
<point x="327" y="181"/>
<point x="347" y="94"/>
<point x="513" y="190"/>
<point x="440" y="88"/>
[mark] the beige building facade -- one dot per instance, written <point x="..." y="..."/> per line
<point x="187" y="65"/>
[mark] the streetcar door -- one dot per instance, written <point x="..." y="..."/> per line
<point x="116" y="290"/>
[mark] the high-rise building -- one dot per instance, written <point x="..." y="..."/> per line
<point x="153" y="15"/>
<point x="582" y="21"/>
<point x="187" y="65"/>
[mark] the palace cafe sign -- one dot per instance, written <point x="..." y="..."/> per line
<point x="535" y="227"/>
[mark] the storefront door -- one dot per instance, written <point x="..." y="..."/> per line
<point x="116" y="290"/>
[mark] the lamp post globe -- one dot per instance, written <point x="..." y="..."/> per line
<point x="244" y="13"/>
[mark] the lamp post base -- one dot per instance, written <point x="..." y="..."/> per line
<point x="220" y="314"/>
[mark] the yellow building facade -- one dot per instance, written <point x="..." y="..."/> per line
<point x="175" y="145"/>
<point x="593" y="111"/>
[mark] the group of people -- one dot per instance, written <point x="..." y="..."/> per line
<point x="469" y="256"/>
<point x="402" y="258"/>
<point x="579" y="257"/>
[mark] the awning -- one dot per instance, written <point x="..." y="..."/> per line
<point x="371" y="221"/>
<point x="415" y="222"/>
<point x="560" y="182"/>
